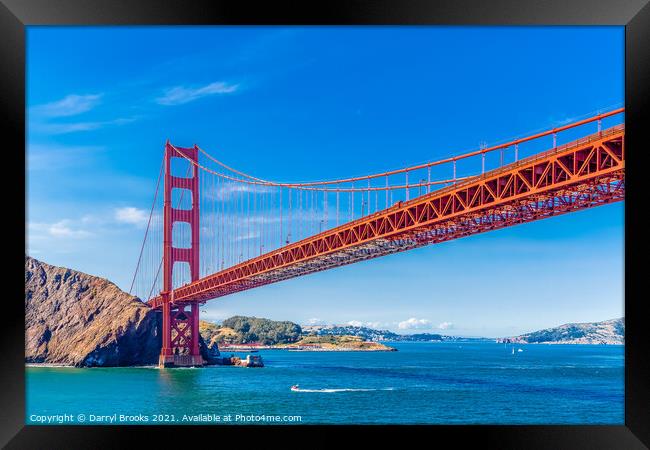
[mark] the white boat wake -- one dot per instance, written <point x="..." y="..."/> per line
<point x="340" y="390"/>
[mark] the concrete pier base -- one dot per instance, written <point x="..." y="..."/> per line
<point x="180" y="361"/>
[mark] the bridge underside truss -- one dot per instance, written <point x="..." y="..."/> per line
<point x="579" y="175"/>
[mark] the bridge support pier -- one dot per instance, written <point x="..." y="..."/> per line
<point x="180" y="336"/>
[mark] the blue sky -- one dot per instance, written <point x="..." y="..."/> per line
<point x="321" y="103"/>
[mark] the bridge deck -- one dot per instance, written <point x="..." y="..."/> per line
<point x="581" y="174"/>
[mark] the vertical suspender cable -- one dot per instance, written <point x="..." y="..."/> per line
<point x="337" y="206"/>
<point x="352" y="204"/>
<point x="153" y="205"/>
<point x="407" y="185"/>
<point x="386" y="191"/>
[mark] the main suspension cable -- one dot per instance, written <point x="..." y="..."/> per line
<point x="483" y="150"/>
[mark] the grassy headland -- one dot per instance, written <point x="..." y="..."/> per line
<point x="246" y="332"/>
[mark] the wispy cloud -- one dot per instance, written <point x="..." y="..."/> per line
<point x="70" y="105"/>
<point x="359" y="323"/>
<point x="225" y="191"/>
<point x="248" y="236"/>
<point x="180" y="94"/>
<point x="131" y="215"/>
<point x="72" y="127"/>
<point x="559" y="121"/>
<point x="315" y="321"/>
<point x="414" y="324"/>
<point x="86" y="226"/>
<point x="446" y="326"/>
<point x="55" y="157"/>
<point x="50" y="118"/>
<point x="62" y="229"/>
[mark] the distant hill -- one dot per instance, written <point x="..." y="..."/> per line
<point x="238" y="330"/>
<point x="371" y="334"/>
<point x="249" y="330"/>
<point x="367" y="334"/>
<point x="610" y="332"/>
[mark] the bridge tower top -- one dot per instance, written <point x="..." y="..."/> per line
<point x="173" y="215"/>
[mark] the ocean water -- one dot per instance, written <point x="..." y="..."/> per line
<point x="422" y="383"/>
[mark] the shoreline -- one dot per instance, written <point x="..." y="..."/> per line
<point x="240" y="350"/>
<point x="390" y="349"/>
<point x="64" y="366"/>
<point x="563" y="343"/>
<point x="373" y="347"/>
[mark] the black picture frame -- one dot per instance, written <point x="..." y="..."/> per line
<point x="633" y="14"/>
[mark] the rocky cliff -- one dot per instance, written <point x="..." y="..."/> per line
<point x="76" y="319"/>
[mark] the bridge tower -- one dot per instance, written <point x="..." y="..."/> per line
<point x="180" y="322"/>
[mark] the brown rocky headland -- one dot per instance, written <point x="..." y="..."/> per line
<point x="76" y="319"/>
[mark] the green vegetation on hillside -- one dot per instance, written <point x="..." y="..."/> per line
<point x="248" y="330"/>
<point x="329" y="339"/>
<point x="345" y="342"/>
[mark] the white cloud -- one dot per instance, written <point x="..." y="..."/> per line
<point x="358" y="323"/>
<point x="41" y="116"/>
<point x="315" y="321"/>
<point x="131" y="215"/>
<point x="179" y="95"/>
<point x="228" y="190"/>
<point x="62" y="229"/>
<point x="65" y="128"/>
<point x="70" y="105"/>
<point x="248" y="236"/>
<point x="414" y="324"/>
<point x="446" y="326"/>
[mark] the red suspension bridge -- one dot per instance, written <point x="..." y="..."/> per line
<point x="214" y="230"/>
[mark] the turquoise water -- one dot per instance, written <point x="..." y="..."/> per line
<point x="422" y="383"/>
